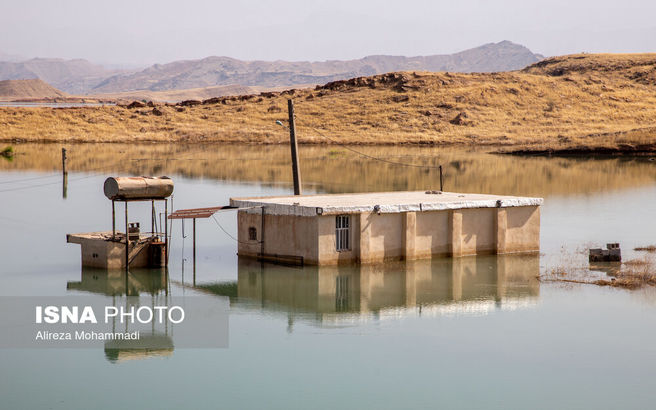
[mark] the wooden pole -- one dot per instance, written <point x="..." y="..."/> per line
<point x="441" y="180"/>
<point x="113" y="221"/>
<point x="152" y="218"/>
<point x="127" y="243"/>
<point x="194" y="247"/>
<point x="64" y="175"/>
<point x="294" y="147"/>
<point x="166" y="232"/>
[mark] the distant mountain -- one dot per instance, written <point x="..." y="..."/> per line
<point x="35" y="89"/>
<point x="72" y="76"/>
<point x="213" y="71"/>
<point x="82" y="77"/>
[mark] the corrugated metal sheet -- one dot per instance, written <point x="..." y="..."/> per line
<point x="198" y="213"/>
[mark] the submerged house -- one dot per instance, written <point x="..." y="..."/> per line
<point x="375" y="227"/>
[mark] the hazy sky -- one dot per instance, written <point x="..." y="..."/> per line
<point x="147" y="31"/>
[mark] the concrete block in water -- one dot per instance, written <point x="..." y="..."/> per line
<point x="612" y="253"/>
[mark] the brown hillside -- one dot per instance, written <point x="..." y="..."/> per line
<point x="21" y="90"/>
<point x="640" y="68"/>
<point x="187" y="94"/>
<point x="600" y="101"/>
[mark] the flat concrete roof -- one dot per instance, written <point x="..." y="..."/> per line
<point x="387" y="202"/>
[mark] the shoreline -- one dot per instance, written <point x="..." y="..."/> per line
<point x="582" y="152"/>
<point x="519" y="150"/>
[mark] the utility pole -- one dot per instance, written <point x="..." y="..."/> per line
<point x="441" y="180"/>
<point x="64" y="175"/>
<point x="127" y="247"/>
<point x="294" y="146"/>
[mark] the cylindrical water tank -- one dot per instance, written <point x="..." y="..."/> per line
<point x="120" y="188"/>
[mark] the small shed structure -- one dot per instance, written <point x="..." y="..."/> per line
<point x="374" y="227"/>
<point x="132" y="248"/>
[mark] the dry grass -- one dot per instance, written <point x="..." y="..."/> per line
<point x="634" y="274"/>
<point x="185" y="94"/>
<point x="602" y="101"/>
<point x="650" y="248"/>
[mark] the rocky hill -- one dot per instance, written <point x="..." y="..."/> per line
<point x="635" y="68"/>
<point x="577" y="103"/>
<point x="34" y="89"/>
<point x="213" y="71"/>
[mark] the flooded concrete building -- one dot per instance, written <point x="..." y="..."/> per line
<point x="375" y="227"/>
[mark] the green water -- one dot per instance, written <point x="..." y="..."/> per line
<point x="475" y="333"/>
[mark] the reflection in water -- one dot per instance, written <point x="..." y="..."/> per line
<point x="333" y="169"/>
<point x="115" y="282"/>
<point x="148" y="346"/>
<point x="152" y="342"/>
<point x="343" y="294"/>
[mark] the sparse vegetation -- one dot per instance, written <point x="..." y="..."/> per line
<point x="634" y="274"/>
<point x="631" y="274"/>
<point x="596" y="102"/>
<point x="335" y="152"/>
<point x="7" y="152"/>
<point x="220" y="288"/>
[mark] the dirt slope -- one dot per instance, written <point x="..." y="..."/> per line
<point x="22" y="90"/>
<point x="187" y="94"/>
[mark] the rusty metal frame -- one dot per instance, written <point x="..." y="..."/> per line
<point x="127" y="239"/>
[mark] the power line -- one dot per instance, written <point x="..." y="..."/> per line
<point x="20" y="188"/>
<point x="231" y="237"/>
<point x="29" y="179"/>
<point x="405" y="164"/>
<point x="13" y="181"/>
<point x="103" y="167"/>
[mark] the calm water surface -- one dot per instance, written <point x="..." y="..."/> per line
<point x="474" y="333"/>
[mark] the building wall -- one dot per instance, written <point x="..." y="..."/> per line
<point x="431" y="234"/>
<point x="283" y="235"/>
<point x="478" y="234"/>
<point x="410" y="235"/>
<point x="382" y="237"/>
<point x="327" y="251"/>
<point x="522" y="233"/>
<point x="98" y="253"/>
